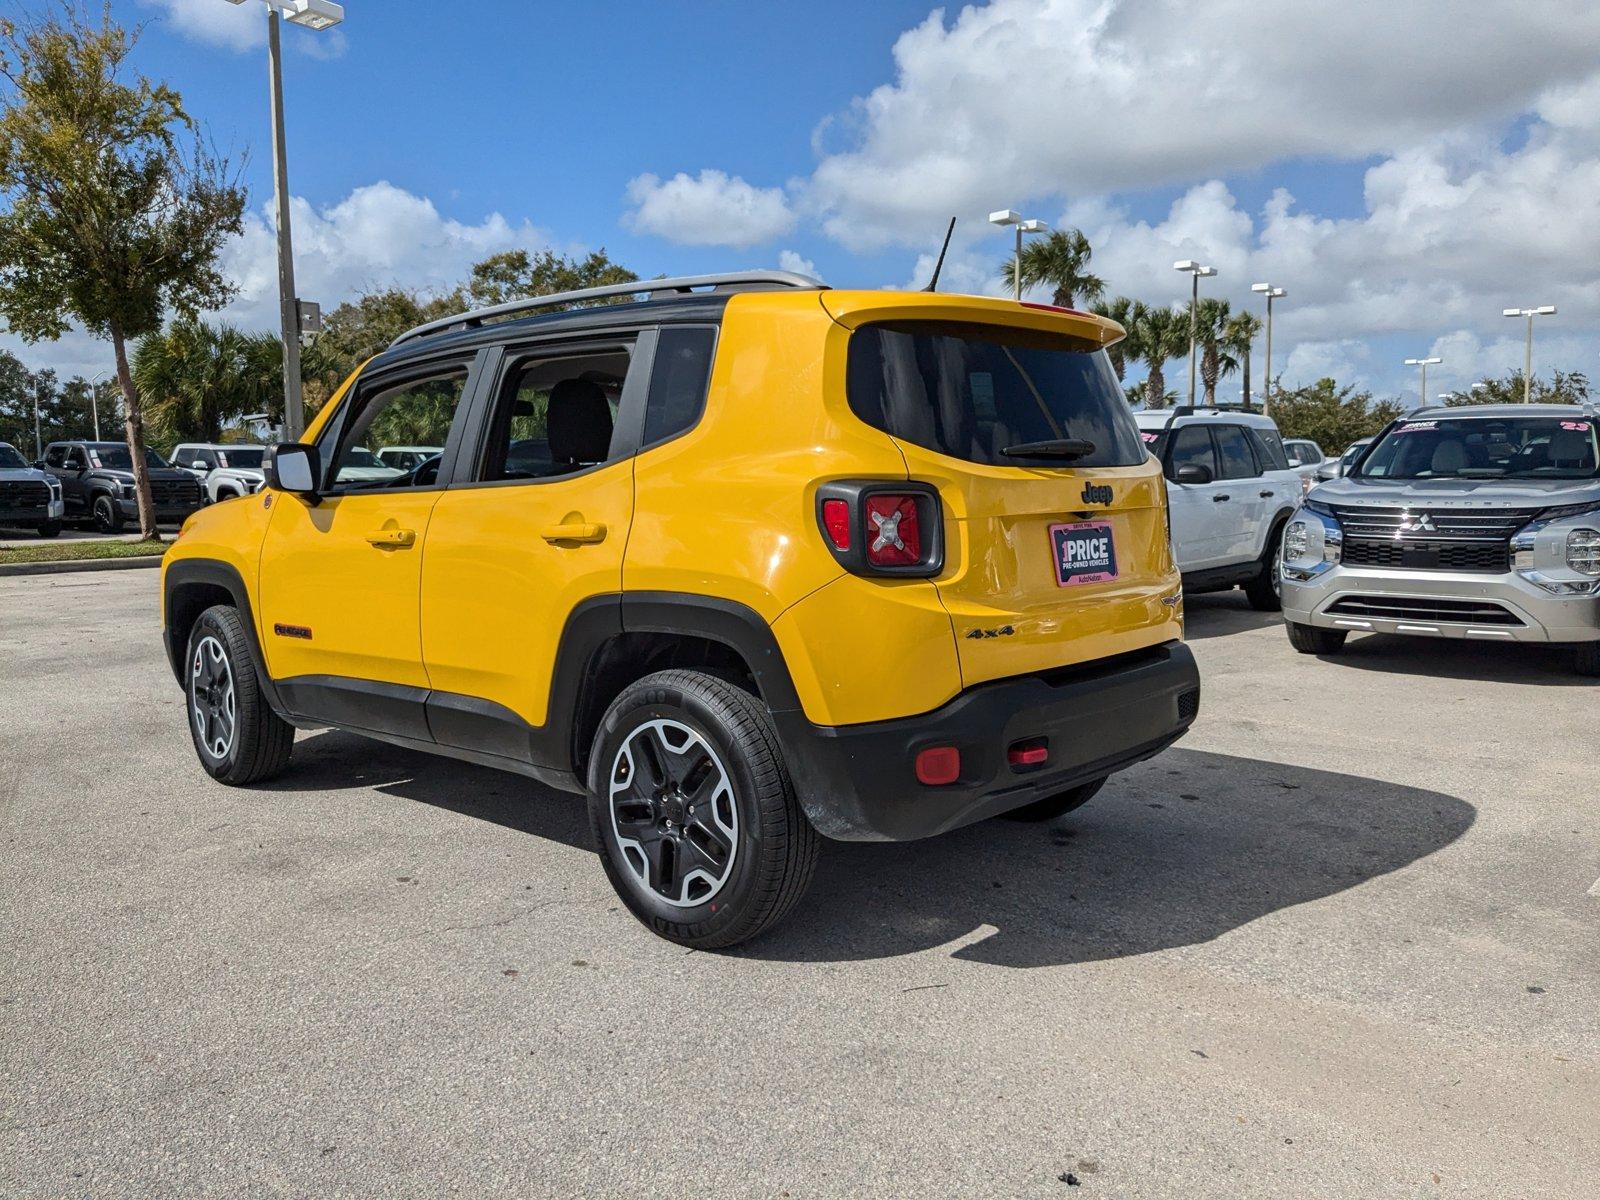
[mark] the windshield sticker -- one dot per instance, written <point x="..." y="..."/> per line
<point x="1150" y="435"/>
<point x="1417" y="426"/>
<point x="1576" y="426"/>
<point x="94" y="458"/>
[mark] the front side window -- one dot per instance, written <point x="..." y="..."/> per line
<point x="77" y="460"/>
<point x="56" y="456"/>
<point x="1486" y="448"/>
<point x="1233" y="453"/>
<point x="974" y="391"/>
<point x="417" y="411"/>
<point x="557" y="414"/>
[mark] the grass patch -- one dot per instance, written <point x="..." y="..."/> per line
<point x="44" y="551"/>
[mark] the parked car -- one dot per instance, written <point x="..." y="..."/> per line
<point x="1335" y="468"/>
<point x="407" y="458"/>
<point x="225" y="469"/>
<point x="1230" y="490"/>
<point x="29" y="498"/>
<point x="1305" y="456"/>
<point x="848" y="564"/>
<point x="1480" y="522"/>
<point x="97" y="482"/>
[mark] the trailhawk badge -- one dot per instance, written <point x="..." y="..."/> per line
<point x="1083" y="553"/>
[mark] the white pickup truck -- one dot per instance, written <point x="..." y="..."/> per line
<point x="1231" y="491"/>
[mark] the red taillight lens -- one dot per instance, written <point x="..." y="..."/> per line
<point x="938" y="765"/>
<point x="1029" y="754"/>
<point x="836" y="520"/>
<point x="894" y="531"/>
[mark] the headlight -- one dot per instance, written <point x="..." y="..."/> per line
<point x="1583" y="551"/>
<point x="1294" y="541"/>
<point x="128" y="490"/>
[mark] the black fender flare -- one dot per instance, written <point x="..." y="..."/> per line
<point x="186" y="572"/>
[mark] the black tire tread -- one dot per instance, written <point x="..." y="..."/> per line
<point x="1308" y="639"/>
<point x="267" y="739"/>
<point x="1586" y="658"/>
<point x="1259" y="590"/>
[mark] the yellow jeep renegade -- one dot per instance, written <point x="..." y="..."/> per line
<point x="746" y="559"/>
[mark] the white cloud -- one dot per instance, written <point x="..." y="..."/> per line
<point x="710" y="209"/>
<point x="792" y="260"/>
<point x="1031" y="98"/>
<point x="240" y="27"/>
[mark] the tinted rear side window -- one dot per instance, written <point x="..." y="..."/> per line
<point x="678" y="382"/>
<point x="970" y="391"/>
<point x="1233" y="452"/>
<point x="1269" y="449"/>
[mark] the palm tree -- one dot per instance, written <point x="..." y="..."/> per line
<point x="1239" y="338"/>
<point x="1158" y="337"/>
<point x="196" y="378"/>
<point x="1216" y="359"/>
<point x="1061" y="260"/>
<point x="1127" y="313"/>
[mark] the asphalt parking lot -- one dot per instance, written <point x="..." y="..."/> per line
<point x="1342" y="940"/>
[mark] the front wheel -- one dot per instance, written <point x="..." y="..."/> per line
<point x="694" y="812"/>
<point x="107" y="516"/>
<point x="1060" y="804"/>
<point x="49" y="529"/>
<point x="237" y="736"/>
<point x="1308" y="639"/>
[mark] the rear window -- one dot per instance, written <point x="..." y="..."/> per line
<point x="970" y="391"/>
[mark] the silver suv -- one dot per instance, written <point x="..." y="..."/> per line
<point x="1480" y="522"/>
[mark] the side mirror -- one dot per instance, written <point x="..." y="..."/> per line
<point x="1193" y="473"/>
<point x="294" y="468"/>
<point x="197" y="465"/>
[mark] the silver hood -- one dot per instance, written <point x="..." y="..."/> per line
<point x="1457" y="493"/>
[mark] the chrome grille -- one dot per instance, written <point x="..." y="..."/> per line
<point x="1424" y="608"/>
<point x="1425" y="538"/>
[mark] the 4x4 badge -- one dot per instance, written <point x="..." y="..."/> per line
<point x="1097" y="493"/>
<point x="1002" y="631"/>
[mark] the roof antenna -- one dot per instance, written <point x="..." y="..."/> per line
<point x="933" y="284"/>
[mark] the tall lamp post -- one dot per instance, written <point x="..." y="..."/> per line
<point x="1424" y="364"/>
<point x="94" y="400"/>
<point x="1544" y="310"/>
<point x="1196" y="272"/>
<point x="1271" y="293"/>
<point x="1022" y="225"/>
<point x="313" y="14"/>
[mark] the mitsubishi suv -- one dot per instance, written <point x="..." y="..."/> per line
<point x="1474" y="522"/>
<point x="748" y="561"/>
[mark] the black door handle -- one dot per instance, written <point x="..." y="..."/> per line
<point x="1266" y="495"/>
<point x="1221" y="498"/>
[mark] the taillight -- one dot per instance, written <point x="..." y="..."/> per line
<point x="938" y="765"/>
<point x="875" y="527"/>
<point x="894" y="531"/>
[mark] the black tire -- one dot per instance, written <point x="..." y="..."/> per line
<point x="259" y="743"/>
<point x="1058" y="805"/>
<point x="107" y="515"/>
<point x="1310" y="640"/>
<point x="1586" y="658"/>
<point x="1265" y="591"/>
<point x="48" y="529"/>
<point x="723" y="734"/>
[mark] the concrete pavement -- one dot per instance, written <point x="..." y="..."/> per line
<point x="1340" y="941"/>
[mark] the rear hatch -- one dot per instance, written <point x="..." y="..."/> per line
<point x="1056" y="535"/>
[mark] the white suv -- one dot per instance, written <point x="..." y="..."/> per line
<point x="225" y="470"/>
<point x="1231" y="491"/>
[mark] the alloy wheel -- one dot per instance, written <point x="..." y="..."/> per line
<point x="212" y="707"/>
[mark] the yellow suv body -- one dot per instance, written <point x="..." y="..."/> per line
<point x="747" y="561"/>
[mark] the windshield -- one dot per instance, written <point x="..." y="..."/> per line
<point x="112" y="456"/>
<point x="10" y="458"/>
<point x="1486" y="448"/>
<point x="973" y="391"/>
<point x="241" y="458"/>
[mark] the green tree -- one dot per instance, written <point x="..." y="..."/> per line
<point x="516" y="275"/>
<point x="115" y="206"/>
<point x="1157" y="337"/>
<point x="1059" y="260"/>
<point x="1127" y="313"/>
<point x="1563" y="387"/>
<point x="1238" y="338"/>
<point x="195" y="378"/>
<point x="1330" y="415"/>
<point x="1216" y="355"/>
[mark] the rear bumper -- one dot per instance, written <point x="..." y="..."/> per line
<point x="857" y="782"/>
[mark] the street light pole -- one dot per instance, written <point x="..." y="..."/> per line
<point x="1196" y="271"/>
<point x="1271" y="293"/>
<point x="1423" y="363"/>
<point x="1006" y="216"/>
<point x="94" y="400"/>
<point x="1544" y="310"/>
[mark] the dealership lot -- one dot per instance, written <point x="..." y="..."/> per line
<point x="1342" y="939"/>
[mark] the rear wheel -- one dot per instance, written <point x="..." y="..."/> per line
<point x="107" y="516"/>
<point x="1308" y="639"/>
<point x="1586" y="658"/>
<point x="694" y="812"/>
<point x="48" y="529"/>
<point x="1265" y="591"/>
<point x="1058" y="805"/>
<point x="237" y="736"/>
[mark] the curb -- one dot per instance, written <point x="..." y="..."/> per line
<point x="81" y="564"/>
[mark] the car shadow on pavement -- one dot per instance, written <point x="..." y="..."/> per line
<point x="1218" y="614"/>
<point x="1481" y="662"/>
<point x="1177" y="851"/>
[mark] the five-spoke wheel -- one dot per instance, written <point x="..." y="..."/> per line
<point x="213" y="706"/>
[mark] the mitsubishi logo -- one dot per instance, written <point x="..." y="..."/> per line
<point x="1421" y="523"/>
<point x="888" y="527"/>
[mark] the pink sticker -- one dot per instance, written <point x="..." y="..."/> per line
<point x="1576" y="426"/>
<point x="1149" y="435"/>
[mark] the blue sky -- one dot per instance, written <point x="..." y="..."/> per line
<point x="1402" y="187"/>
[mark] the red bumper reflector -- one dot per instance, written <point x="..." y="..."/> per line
<point x="938" y="765"/>
<point x="1028" y="754"/>
<point x="836" y="520"/>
